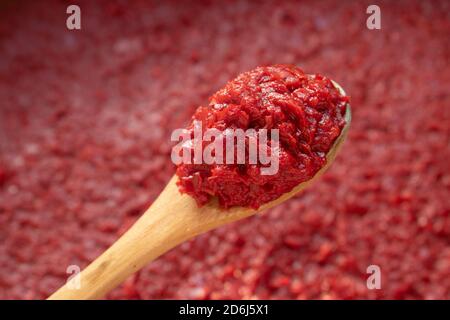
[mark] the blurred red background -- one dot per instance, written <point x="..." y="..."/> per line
<point x="85" y="123"/>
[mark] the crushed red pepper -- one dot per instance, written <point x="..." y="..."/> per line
<point x="85" y="124"/>
<point x="307" y="111"/>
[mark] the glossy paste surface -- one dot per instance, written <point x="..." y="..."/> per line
<point x="307" y="111"/>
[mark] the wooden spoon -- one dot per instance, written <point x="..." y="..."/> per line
<point x="172" y="219"/>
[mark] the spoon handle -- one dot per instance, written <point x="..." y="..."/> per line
<point x="158" y="230"/>
<point x="172" y="219"/>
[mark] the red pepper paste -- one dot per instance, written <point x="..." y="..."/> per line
<point x="85" y="123"/>
<point x="308" y="111"/>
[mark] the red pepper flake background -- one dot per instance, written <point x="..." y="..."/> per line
<point x="86" y="117"/>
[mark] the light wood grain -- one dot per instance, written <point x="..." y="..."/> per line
<point x="172" y="219"/>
